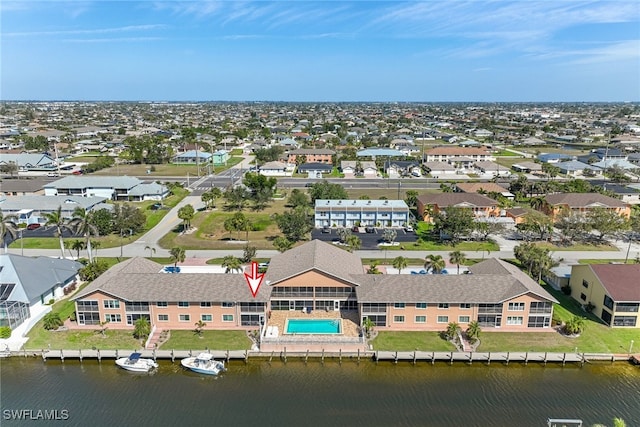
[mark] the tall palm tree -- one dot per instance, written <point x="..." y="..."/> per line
<point x="82" y="223"/>
<point x="435" y="263"/>
<point x="177" y="255"/>
<point x="399" y="262"/>
<point x="55" y="219"/>
<point x="77" y="245"/>
<point x="473" y="330"/>
<point x="8" y="226"/>
<point x="353" y="243"/>
<point x="457" y="258"/>
<point x="152" y="250"/>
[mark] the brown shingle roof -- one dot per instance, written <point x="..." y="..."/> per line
<point x="454" y="199"/>
<point x="581" y="200"/>
<point x="621" y="281"/>
<point x="317" y="255"/>
<point x="474" y="187"/>
<point x="139" y="279"/>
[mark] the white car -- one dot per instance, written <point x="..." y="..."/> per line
<point x="408" y="229"/>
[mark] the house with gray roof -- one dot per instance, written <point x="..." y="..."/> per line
<point x="308" y="282"/>
<point x="575" y="168"/>
<point x="28" y="284"/>
<point x="29" y="162"/>
<point x="125" y="188"/>
<point x="31" y="209"/>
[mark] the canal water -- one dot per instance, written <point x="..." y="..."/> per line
<point x="319" y="394"/>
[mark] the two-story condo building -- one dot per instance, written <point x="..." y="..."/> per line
<point x="482" y="206"/>
<point x="583" y="203"/>
<point x="350" y="213"/>
<point x="311" y="155"/>
<point x="458" y="154"/>
<point x="612" y="290"/>
<point x="314" y="280"/>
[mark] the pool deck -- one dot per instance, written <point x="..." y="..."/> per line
<point x="315" y="342"/>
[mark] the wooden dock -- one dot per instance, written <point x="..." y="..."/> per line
<point x="151" y="354"/>
<point x="635" y="359"/>
<point x="491" y="357"/>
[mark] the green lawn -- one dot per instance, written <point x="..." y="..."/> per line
<point x="40" y="338"/>
<point x="213" y="340"/>
<point x="576" y="247"/>
<point x="410" y="341"/>
<point x="605" y="261"/>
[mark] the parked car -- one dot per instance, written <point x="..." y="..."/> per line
<point x="355" y="229"/>
<point x="77" y="172"/>
<point x="53" y="174"/>
<point x="33" y="226"/>
<point x="408" y="229"/>
<point x="326" y="230"/>
<point x="370" y="230"/>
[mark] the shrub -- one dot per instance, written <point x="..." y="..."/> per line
<point x="566" y="290"/>
<point x="5" y="332"/>
<point x="52" y="321"/>
<point x="51" y="301"/>
<point x="72" y="316"/>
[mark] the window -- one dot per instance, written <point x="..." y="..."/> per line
<point x="378" y="320"/>
<point x="624" y="321"/>
<point x="227" y="317"/>
<point x="516" y="306"/>
<point x="514" y="320"/>
<point x="583" y="297"/>
<point x="113" y="318"/>
<point x="163" y="317"/>
<point x="87" y="305"/>
<point x="606" y="316"/>
<point x="421" y="319"/>
<point x="539" y="322"/>
<point x="465" y="305"/>
<point x="183" y="304"/>
<point x="608" y="302"/>
<point x="463" y="319"/>
<point x="162" y="304"/>
<point x="206" y="317"/>
<point x="398" y="305"/>
<point x="205" y="304"/>
<point x="443" y="319"/>
<point x="398" y="319"/>
<point x="250" y="319"/>
<point x="585" y="283"/>
<point x="421" y="305"/>
<point x="443" y="305"/>
<point x="627" y="307"/>
<point x="185" y="318"/>
<point x="541" y="307"/>
<point x="228" y="304"/>
<point x="111" y="303"/>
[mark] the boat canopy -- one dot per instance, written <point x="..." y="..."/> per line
<point x="135" y="356"/>
<point x="205" y="356"/>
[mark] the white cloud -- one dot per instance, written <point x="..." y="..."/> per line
<point x="129" y="28"/>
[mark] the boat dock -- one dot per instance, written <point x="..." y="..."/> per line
<point x="395" y="357"/>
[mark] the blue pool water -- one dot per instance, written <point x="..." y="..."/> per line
<point x="313" y="326"/>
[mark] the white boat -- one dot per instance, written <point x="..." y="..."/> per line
<point x="204" y="363"/>
<point x="136" y="364"/>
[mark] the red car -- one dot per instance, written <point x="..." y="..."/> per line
<point x="77" y="172"/>
<point x="33" y="226"/>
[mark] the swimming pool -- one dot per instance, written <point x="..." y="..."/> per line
<point x="314" y="326"/>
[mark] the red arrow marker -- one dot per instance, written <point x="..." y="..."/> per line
<point x="255" y="279"/>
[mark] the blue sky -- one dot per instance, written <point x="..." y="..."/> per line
<point x="321" y="51"/>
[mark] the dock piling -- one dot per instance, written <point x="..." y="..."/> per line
<point x="44" y="356"/>
<point x="285" y="354"/>
<point x="227" y="357"/>
<point x="545" y="358"/>
<point x="246" y="357"/>
<point x="470" y="357"/>
<point x="190" y="353"/>
<point x="322" y="357"/>
<point x="414" y="357"/>
<point x="376" y="357"/>
<point x="526" y="358"/>
<point x="358" y="355"/>
<point x="340" y="356"/>
<point x="99" y="356"/>
<point x="507" y="358"/>
<point x="395" y="358"/>
<point x="489" y="359"/>
<point x="153" y="352"/>
<point x="116" y="353"/>
<point x="61" y="355"/>
<point x="80" y="354"/>
<point x="433" y="357"/>
<point x="173" y="357"/>
<point x="564" y="358"/>
<point x="582" y="360"/>
<point x="271" y="357"/>
<point x="306" y="357"/>
<point x="451" y="358"/>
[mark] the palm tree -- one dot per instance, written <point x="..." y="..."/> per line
<point x="457" y="258"/>
<point x="82" y="223"/>
<point x="353" y="243"/>
<point x="389" y="235"/>
<point x="575" y="325"/>
<point x="231" y="263"/>
<point x="142" y="328"/>
<point x="95" y="245"/>
<point x="343" y="233"/>
<point x="8" y="226"/>
<point x="435" y="263"/>
<point x="199" y="327"/>
<point x="52" y="321"/>
<point x="151" y="250"/>
<point x="177" y="254"/>
<point x="77" y="245"/>
<point x="452" y="330"/>
<point x="373" y="268"/>
<point x="473" y="331"/>
<point x="367" y="325"/>
<point x="55" y="219"/>
<point x="399" y="263"/>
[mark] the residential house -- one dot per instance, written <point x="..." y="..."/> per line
<point x="276" y="169"/>
<point x="440" y="169"/>
<point x="29" y="162"/>
<point x="611" y="291"/>
<point x="125" y="188"/>
<point x="22" y="187"/>
<point x="491" y="170"/>
<point x="31" y="209"/>
<point x="482" y="206"/>
<point x="220" y="157"/>
<point x="397" y="168"/>
<point x="315" y="170"/>
<point x="29" y="284"/>
<point x="483" y="188"/>
<point x="192" y="157"/>
<point x="553" y="158"/>
<point x="583" y="203"/>
<point x="575" y="168"/>
<point x="311" y="155"/>
<point x="527" y="167"/>
<point x="349" y="213"/>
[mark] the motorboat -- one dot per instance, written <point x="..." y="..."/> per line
<point x="204" y="363"/>
<point x="136" y="363"/>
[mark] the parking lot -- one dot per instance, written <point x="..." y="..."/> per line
<point x="369" y="240"/>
